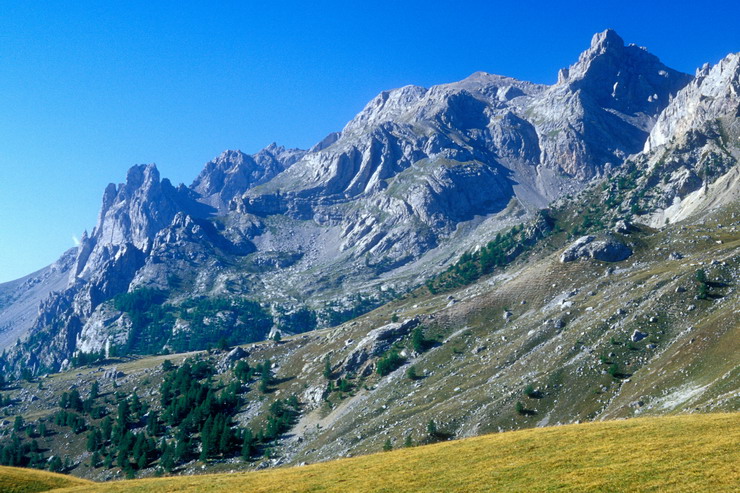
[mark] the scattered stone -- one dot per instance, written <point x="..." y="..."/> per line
<point x="675" y="256"/>
<point x="680" y="289"/>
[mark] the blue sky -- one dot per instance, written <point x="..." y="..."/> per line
<point x="88" y="89"/>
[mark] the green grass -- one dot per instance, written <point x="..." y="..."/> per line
<point x="18" y="480"/>
<point x="676" y="453"/>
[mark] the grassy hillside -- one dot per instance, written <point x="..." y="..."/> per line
<point x="18" y="480"/>
<point x="677" y="453"/>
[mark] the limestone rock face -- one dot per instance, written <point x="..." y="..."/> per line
<point x="233" y="172"/>
<point x="714" y="93"/>
<point x="432" y="158"/>
<point x="690" y="160"/>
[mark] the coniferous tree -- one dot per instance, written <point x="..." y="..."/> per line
<point x="167" y="460"/>
<point x="106" y="428"/>
<point x="95" y="390"/>
<point x="248" y="444"/>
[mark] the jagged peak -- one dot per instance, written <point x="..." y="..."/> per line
<point x="606" y="40"/>
<point x="628" y="79"/>
<point x="141" y="173"/>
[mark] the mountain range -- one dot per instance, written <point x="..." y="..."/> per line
<point x="415" y="179"/>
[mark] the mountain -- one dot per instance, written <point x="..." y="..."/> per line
<point x="476" y="257"/>
<point x="415" y="179"/>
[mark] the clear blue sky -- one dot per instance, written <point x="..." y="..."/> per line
<point x="88" y="89"/>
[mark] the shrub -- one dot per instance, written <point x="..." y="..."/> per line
<point x="519" y="407"/>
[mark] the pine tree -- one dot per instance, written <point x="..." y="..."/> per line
<point x="387" y="446"/>
<point x="419" y="342"/>
<point x="95" y="459"/>
<point x="247" y="444"/>
<point x="206" y="438"/>
<point x="224" y="444"/>
<point x="95" y="390"/>
<point x="167" y="461"/>
<point x="18" y="424"/>
<point x="182" y="450"/>
<point x="432" y="428"/>
<point x="55" y="464"/>
<point x="106" y="428"/>
<point x="94" y="440"/>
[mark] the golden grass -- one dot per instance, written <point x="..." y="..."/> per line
<point x="676" y="453"/>
<point x="19" y="480"/>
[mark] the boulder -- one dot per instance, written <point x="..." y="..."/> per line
<point x="638" y="336"/>
<point x="606" y="249"/>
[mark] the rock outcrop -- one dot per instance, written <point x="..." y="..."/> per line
<point x="606" y="249"/>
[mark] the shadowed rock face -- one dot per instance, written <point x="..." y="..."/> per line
<point x="419" y="172"/>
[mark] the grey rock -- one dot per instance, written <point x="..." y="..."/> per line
<point x="607" y="249"/>
<point x="638" y="336"/>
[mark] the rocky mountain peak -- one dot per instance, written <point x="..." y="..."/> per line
<point x="628" y="79"/>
